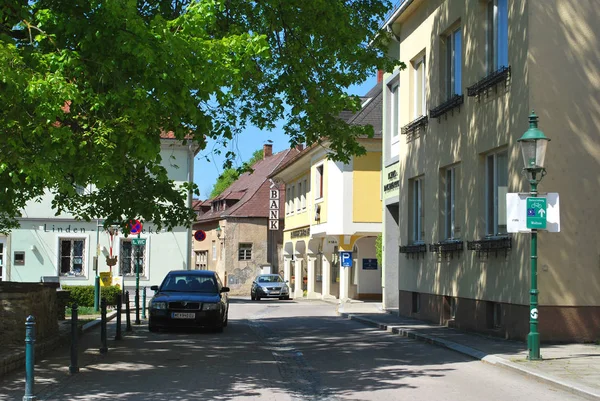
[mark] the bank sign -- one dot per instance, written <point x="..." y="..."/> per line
<point x="273" y="207"/>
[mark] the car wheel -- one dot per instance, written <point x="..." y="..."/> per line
<point x="152" y="328"/>
<point x="281" y="298"/>
<point x="257" y="298"/>
<point x="252" y="297"/>
<point x="219" y="328"/>
<point x="287" y="298"/>
<point x="226" y="322"/>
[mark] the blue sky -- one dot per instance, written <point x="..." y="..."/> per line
<point x="207" y="171"/>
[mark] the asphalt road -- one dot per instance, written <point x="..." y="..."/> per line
<point x="287" y="350"/>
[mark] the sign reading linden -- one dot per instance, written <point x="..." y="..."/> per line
<point x="273" y="207"/>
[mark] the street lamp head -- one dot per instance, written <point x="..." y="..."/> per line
<point x="533" y="146"/>
<point x="218" y="230"/>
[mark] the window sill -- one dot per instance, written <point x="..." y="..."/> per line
<point x="491" y="243"/>
<point x="489" y="81"/>
<point x="417" y="248"/>
<point x="447" y="247"/>
<point x="449" y="105"/>
<point x="413" y="127"/>
<point x="319" y="200"/>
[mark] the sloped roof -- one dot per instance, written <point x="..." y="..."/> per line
<point x="372" y="111"/>
<point x="252" y="190"/>
<point x="370" y="114"/>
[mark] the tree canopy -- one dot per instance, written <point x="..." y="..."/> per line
<point x="88" y="86"/>
<point x="230" y="175"/>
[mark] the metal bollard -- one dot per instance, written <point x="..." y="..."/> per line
<point x="103" y="347"/>
<point x="119" y="309"/>
<point x="144" y="303"/>
<point x="73" y="367"/>
<point x="127" y="311"/>
<point x="29" y="358"/>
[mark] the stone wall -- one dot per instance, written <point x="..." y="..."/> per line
<point x="19" y="300"/>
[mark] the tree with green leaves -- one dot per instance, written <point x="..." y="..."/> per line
<point x="88" y="86"/>
<point x="230" y="175"/>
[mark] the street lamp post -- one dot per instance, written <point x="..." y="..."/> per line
<point x="533" y="147"/>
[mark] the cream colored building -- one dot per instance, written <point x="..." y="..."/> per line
<point x="475" y="70"/>
<point x="333" y="213"/>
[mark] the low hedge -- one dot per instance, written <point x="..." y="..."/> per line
<point x="84" y="294"/>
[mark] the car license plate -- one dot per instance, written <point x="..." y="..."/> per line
<point x="274" y="292"/>
<point x="180" y="315"/>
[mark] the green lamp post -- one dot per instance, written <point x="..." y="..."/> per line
<point x="533" y="147"/>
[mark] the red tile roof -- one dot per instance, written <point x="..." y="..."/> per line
<point x="253" y="188"/>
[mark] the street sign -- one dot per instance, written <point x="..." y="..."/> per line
<point x="516" y="212"/>
<point x="135" y="227"/>
<point x="536" y="213"/>
<point x="138" y="241"/>
<point x="346" y="259"/>
<point x="199" y="235"/>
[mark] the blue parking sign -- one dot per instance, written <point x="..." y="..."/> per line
<point x="346" y="259"/>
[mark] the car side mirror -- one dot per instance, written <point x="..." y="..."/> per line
<point x="287" y="281"/>
<point x="225" y="289"/>
<point x="154" y="288"/>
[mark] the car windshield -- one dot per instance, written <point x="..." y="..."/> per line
<point x="270" y="279"/>
<point x="189" y="283"/>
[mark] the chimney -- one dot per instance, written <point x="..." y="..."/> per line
<point x="379" y="76"/>
<point x="300" y="147"/>
<point x="267" y="150"/>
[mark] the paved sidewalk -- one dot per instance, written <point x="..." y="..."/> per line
<point x="574" y="367"/>
<point x="52" y="369"/>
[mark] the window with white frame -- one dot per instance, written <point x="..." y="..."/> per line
<point x="72" y="256"/>
<point x="214" y="250"/>
<point x="419" y="102"/>
<point x="132" y="258"/>
<point x="201" y="260"/>
<point x="450" y="202"/>
<point x="245" y="251"/>
<point x="454" y="63"/>
<point x="300" y="197"/>
<point x="319" y="182"/>
<point x="496" y="189"/>
<point x="497" y="34"/>
<point x="304" y="193"/>
<point x="417" y="211"/>
<point x="288" y="198"/>
<point x="393" y="117"/>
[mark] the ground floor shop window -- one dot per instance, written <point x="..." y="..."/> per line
<point x="72" y="256"/>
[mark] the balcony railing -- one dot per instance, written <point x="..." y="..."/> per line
<point x="411" y="129"/>
<point x="491" y="244"/>
<point x="448" y="105"/>
<point x="413" y="249"/>
<point x="493" y="79"/>
<point x="447" y="247"/>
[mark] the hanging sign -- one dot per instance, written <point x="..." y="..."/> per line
<point x="273" y="207"/>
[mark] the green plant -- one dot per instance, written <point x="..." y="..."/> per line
<point x="84" y="294"/>
<point x="378" y="248"/>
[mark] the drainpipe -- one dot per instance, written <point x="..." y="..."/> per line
<point x="190" y="195"/>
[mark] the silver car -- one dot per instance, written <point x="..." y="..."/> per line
<point x="269" y="286"/>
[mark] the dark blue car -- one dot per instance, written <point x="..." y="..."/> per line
<point x="189" y="298"/>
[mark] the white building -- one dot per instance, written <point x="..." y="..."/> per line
<point x="47" y="245"/>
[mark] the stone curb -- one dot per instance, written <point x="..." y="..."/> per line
<point x="473" y="353"/>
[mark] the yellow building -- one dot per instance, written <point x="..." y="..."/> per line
<point x="452" y="118"/>
<point x="333" y="216"/>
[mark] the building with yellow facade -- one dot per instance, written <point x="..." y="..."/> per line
<point x="333" y="216"/>
<point x="474" y="71"/>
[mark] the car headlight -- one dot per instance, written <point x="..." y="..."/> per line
<point x="210" y="307"/>
<point x="159" y="305"/>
